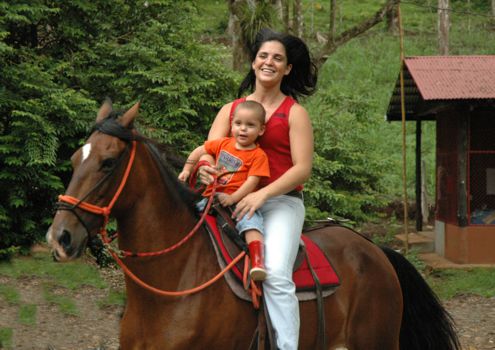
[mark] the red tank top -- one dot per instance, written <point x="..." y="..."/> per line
<point x="275" y="141"/>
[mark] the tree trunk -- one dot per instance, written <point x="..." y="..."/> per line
<point x="393" y="19"/>
<point x="353" y="32"/>
<point x="298" y="18"/>
<point x="234" y="29"/>
<point x="443" y="27"/>
<point x="333" y="21"/>
<point x="286" y="15"/>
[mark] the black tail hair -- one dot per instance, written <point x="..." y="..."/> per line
<point x="426" y="325"/>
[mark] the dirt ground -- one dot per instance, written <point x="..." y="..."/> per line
<point x="97" y="328"/>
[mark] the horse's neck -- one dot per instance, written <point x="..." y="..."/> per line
<point x="155" y="215"/>
<point x="153" y="222"/>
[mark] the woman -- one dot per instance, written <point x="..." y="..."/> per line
<point x="281" y="71"/>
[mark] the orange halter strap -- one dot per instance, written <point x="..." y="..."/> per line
<point x="118" y="254"/>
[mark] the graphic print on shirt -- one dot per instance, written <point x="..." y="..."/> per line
<point x="227" y="163"/>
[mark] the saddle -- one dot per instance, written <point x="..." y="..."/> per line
<point x="312" y="266"/>
<point x="313" y="274"/>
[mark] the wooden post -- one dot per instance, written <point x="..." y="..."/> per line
<point x="462" y="149"/>
<point x="425" y="209"/>
<point x="403" y="113"/>
<point x="419" y="211"/>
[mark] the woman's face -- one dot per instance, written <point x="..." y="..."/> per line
<point x="270" y="64"/>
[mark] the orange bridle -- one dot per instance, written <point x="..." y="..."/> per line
<point x="119" y="254"/>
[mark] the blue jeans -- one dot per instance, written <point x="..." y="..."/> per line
<point x="244" y="224"/>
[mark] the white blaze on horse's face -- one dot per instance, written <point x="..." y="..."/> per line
<point x="86" y="150"/>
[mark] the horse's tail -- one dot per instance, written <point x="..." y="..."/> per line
<point x="426" y="325"/>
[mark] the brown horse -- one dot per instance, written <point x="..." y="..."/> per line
<point x="381" y="304"/>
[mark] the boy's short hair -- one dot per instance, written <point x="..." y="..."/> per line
<point x="254" y="106"/>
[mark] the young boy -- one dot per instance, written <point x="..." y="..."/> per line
<point x="245" y="163"/>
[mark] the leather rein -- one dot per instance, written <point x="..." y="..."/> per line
<point x="66" y="202"/>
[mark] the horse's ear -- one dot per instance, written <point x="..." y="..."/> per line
<point x="130" y="115"/>
<point x="105" y="110"/>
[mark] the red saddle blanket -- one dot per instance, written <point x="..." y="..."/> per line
<point x="302" y="275"/>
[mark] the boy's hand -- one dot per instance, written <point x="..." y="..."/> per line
<point x="184" y="175"/>
<point x="225" y="199"/>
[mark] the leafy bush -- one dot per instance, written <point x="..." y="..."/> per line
<point x="63" y="58"/>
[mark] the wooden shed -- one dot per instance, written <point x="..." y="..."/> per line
<point x="458" y="93"/>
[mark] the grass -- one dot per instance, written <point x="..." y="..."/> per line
<point x="9" y="294"/>
<point x="65" y="304"/>
<point x="114" y="298"/>
<point x="69" y="275"/>
<point x="449" y="283"/>
<point x="27" y="314"/>
<point x="6" y="335"/>
<point x="57" y="279"/>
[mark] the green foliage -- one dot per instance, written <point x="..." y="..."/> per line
<point x="358" y="162"/>
<point x="255" y="16"/>
<point x="6" y="335"/>
<point x="348" y="163"/>
<point x="71" y="275"/>
<point x="27" y="314"/>
<point x="9" y="294"/>
<point x="449" y="283"/>
<point x="114" y="298"/>
<point x="65" y="304"/>
<point x="61" y="59"/>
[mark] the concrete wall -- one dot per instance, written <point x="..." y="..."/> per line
<point x="470" y="244"/>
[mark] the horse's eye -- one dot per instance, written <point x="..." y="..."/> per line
<point x="108" y="164"/>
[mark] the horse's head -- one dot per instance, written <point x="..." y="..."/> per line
<point x="98" y="169"/>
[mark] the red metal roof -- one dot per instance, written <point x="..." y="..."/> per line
<point x="453" y="77"/>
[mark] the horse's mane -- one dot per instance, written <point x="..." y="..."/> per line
<point x="165" y="158"/>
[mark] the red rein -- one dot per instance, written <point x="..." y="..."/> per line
<point x="117" y="255"/>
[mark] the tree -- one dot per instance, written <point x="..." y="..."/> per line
<point x="340" y="39"/>
<point x="298" y="18"/>
<point x="332" y="26"/>
<point x="246" y="18"/>
<point x="234" y="29"/>
<point x="443" y="27"/>
<point x="286" y="15"/>
<point x="393" y="19"/>
<point x="61" y="59"/>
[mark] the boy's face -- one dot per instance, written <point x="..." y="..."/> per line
<point x="246" y="127"/>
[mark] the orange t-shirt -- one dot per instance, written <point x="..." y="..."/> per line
<point x="276" y="140"/>
<point x="243" y="163"/>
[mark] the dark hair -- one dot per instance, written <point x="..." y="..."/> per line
<point x="301" y="81"/>
<point x="254" y="106"/>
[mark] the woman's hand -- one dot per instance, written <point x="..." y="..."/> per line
<point x="249" y="204"/>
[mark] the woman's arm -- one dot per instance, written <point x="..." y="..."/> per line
<point x="302" y="148"/>
<point x="221" y="125"/>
